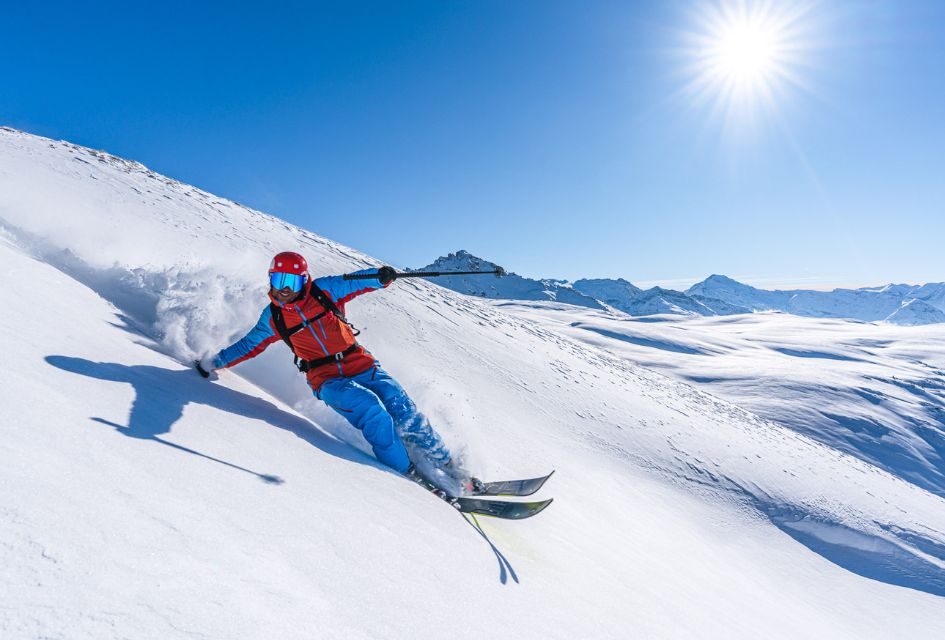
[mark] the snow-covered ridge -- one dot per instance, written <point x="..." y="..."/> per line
<point x="138" y="500"/>
<point x="908" y="305"/>
<point x="509" y="286"/>
<point x="618" y="294"/>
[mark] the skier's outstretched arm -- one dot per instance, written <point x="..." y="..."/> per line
<point x="250" y="345"/>
<point x="341" y="290"/>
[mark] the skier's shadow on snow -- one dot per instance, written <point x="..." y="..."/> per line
<point x="161" y="395"/>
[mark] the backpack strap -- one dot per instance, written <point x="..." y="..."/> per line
<point x="330" y="305"/>
<point x="281" y="329"/>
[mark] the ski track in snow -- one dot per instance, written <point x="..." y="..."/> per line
<point x="516" y="390"/>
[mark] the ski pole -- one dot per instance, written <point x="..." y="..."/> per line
<point x="498" y="272"/>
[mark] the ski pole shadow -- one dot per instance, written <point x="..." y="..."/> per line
<point x="265" y="477"/>
<point x="161" y="395"/>
<point x="505" y="567"/>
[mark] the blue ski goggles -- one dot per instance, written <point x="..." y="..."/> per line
<point x="280" y="281"/>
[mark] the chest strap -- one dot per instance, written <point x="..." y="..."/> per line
<point x="307" y="365"/>
<point x="286" y="332"/>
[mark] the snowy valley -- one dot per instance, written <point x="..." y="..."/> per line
<point x="738" y="476"/>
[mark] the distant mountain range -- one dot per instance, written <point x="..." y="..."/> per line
<point x="896" y="303"/>
<point x="715" y="296"/>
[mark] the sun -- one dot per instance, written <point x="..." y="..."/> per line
<point x="744" y="53"/>
<point x="743" y="56"/>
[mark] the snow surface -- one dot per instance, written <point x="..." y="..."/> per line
<point x="141" y="501"/>
<point x="874" y="391"/>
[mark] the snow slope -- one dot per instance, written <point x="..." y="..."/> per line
<point x="873" y="391"/>
<point x="916" y="312"/>
<point x="139" y="500"/>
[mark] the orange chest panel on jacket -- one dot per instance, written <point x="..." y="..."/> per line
<point x="324" y="336"/>
<point x="321" y="337"/>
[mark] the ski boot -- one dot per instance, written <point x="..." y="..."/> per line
<point x="472" y="486"/>
<point x="413" y="473"/>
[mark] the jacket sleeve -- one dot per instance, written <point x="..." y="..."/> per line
<point x="342" y="290"/>
<point x="250" y="345"/>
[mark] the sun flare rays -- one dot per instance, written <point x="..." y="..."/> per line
<point x="744" y="56"/>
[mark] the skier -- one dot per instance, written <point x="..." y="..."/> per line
<point x="309" y="316"/>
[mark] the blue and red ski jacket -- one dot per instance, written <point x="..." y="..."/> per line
<point x="325" y="337"/>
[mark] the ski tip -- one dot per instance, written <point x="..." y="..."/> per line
<point x="541" y="506"/>
<point x="537" y="506"/>
<point x="543" y="482"/>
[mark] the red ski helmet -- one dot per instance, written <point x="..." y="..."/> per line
<point x="288" y="270"/>
<point x="289" y="262"/>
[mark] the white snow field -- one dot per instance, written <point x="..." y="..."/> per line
<point x="140" y="501"/>
<point x="874" y="390"/>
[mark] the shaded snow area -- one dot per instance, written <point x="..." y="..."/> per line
<point x="140" y="501"/>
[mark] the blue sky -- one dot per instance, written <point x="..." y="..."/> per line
<point x="559" y="139"/>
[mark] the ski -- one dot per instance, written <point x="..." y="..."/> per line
<point x="507" y="487"/>
<point x="493" y="508"/>
<point x="499" y="508"/>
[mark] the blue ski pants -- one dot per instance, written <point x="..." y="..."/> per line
<point x="382" y="411"/>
